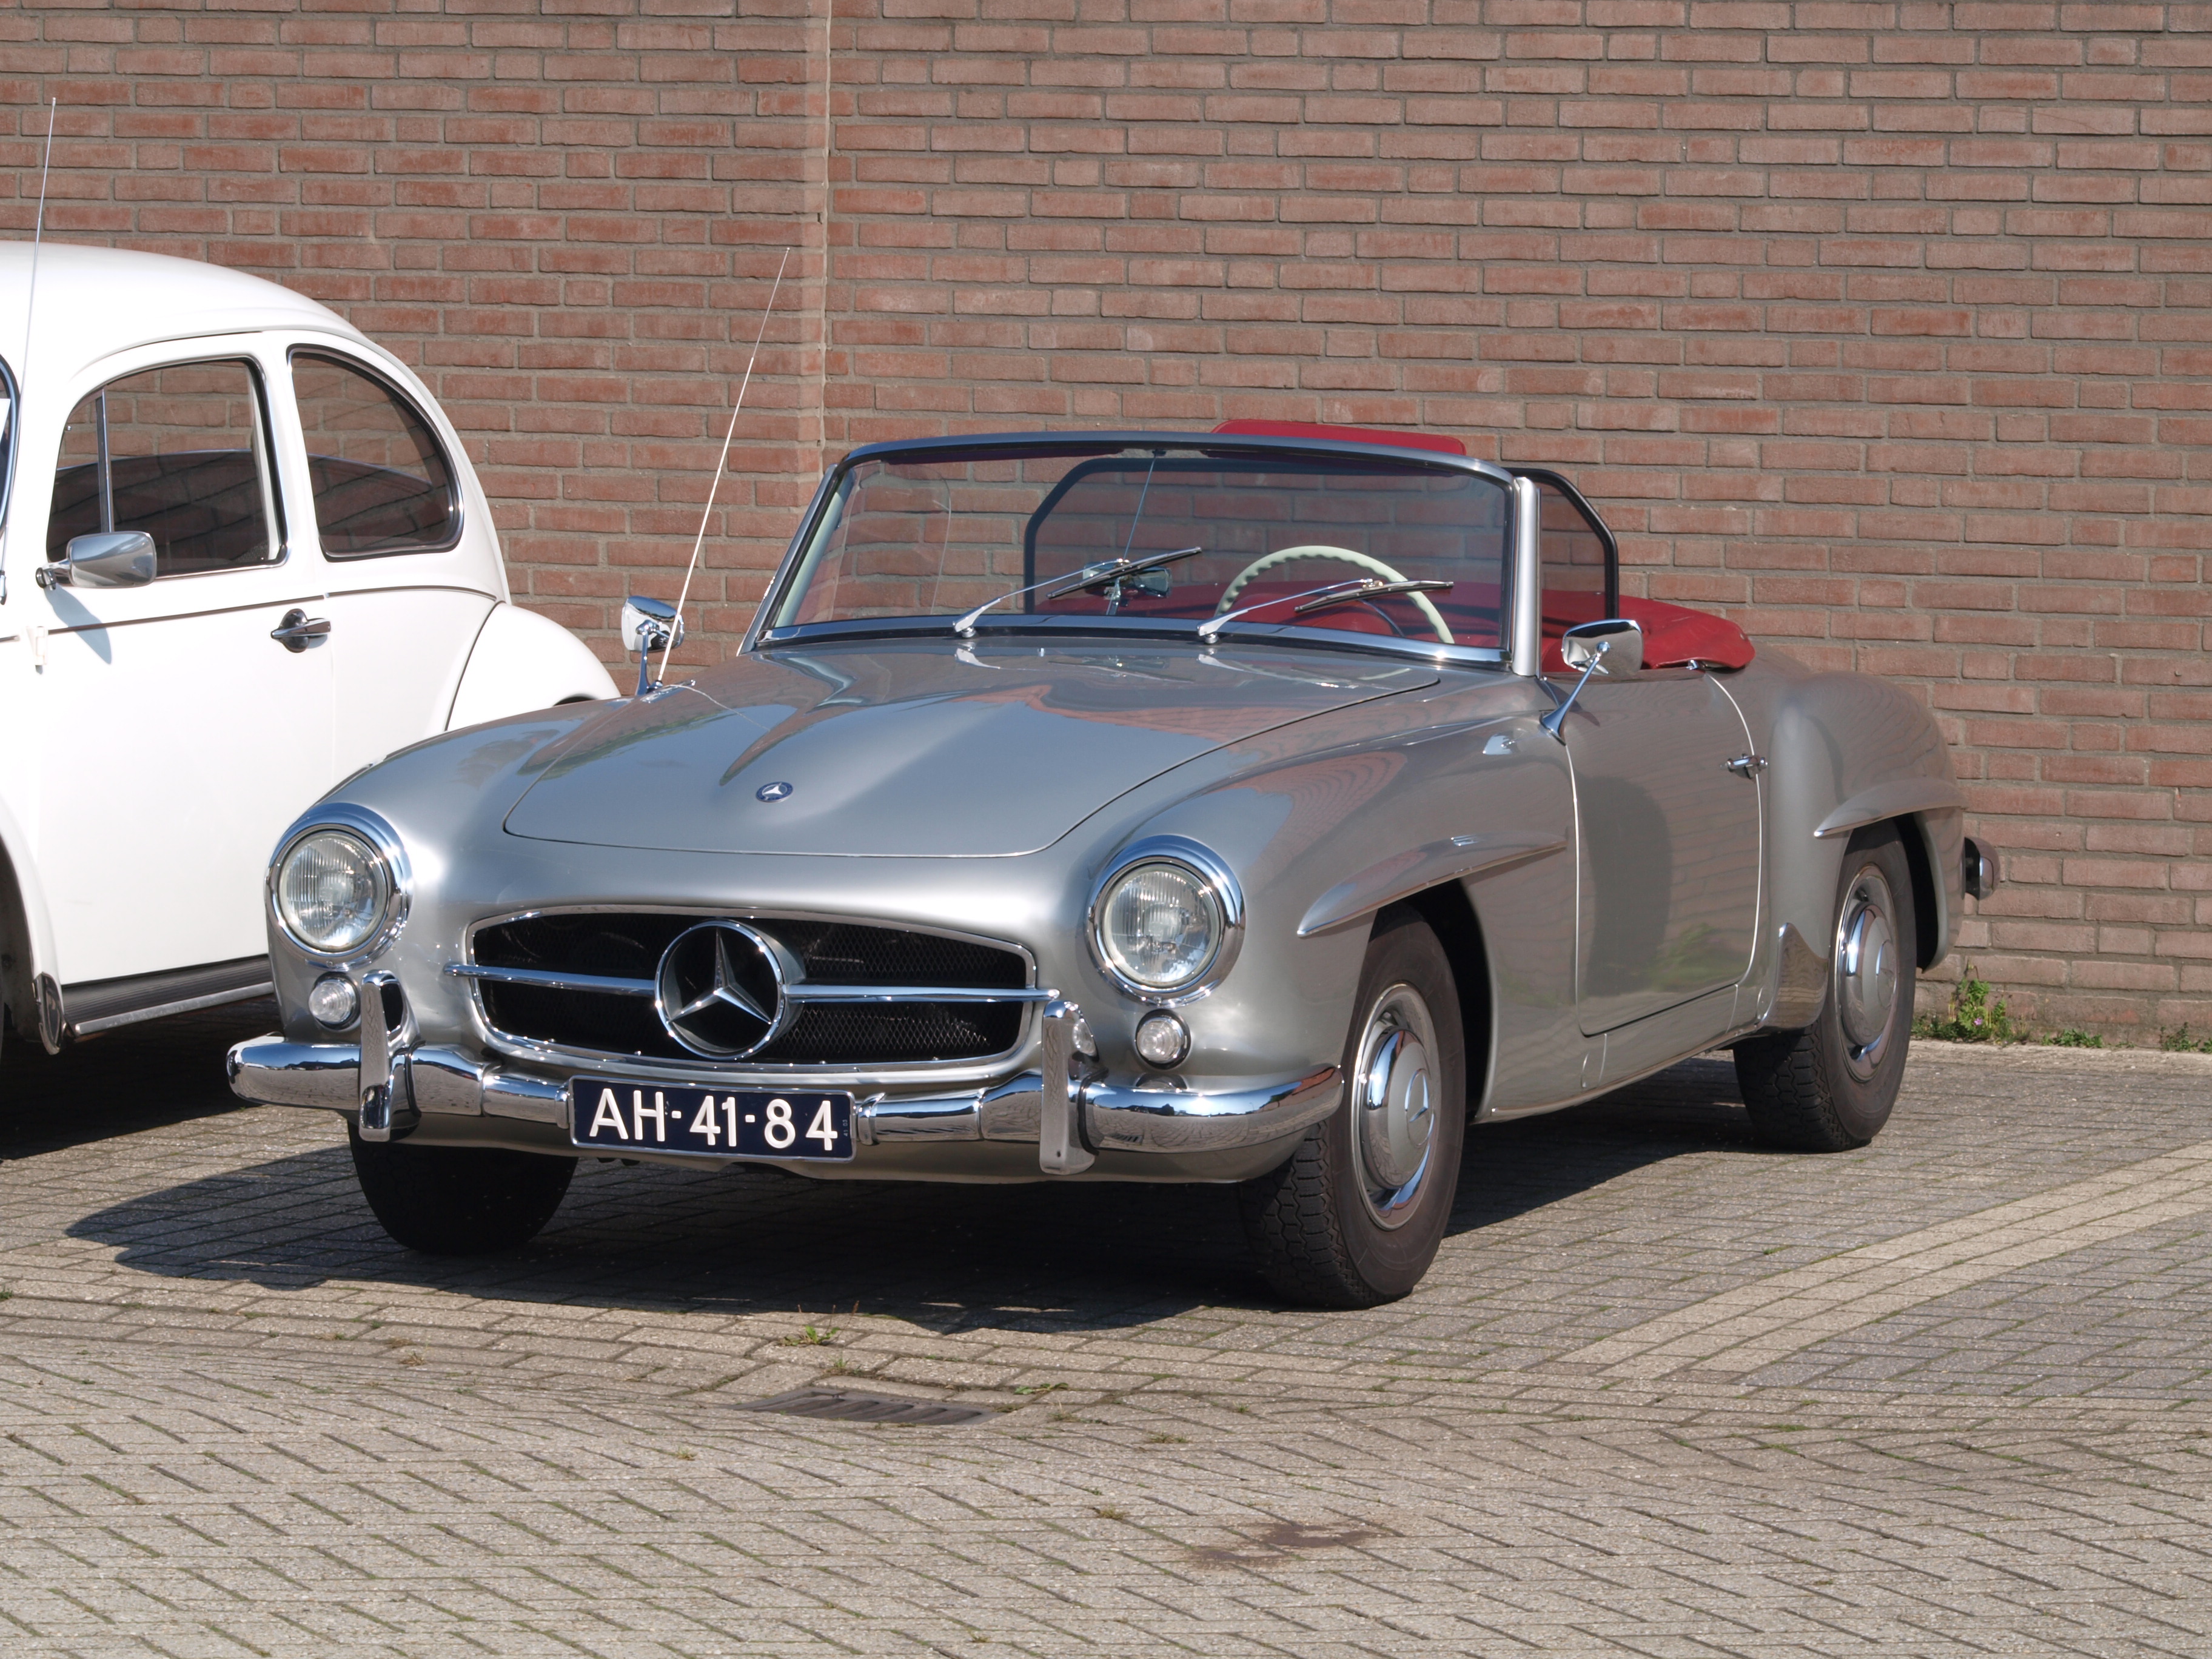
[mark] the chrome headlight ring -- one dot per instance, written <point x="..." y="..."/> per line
<point x="1213" y="873"/>
<point x="391" y="855"/>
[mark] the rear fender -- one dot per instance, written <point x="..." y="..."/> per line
<point x="522" y="661"/>
<point x="1844" y="751"/>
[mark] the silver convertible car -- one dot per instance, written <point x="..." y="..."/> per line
<point x="1259" y="806"/>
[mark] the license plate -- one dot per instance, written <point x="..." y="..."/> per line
<point x="627" y="1116"/>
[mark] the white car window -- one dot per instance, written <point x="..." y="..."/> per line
<point x="179" y="451"/>
<point x="381" y="482"/>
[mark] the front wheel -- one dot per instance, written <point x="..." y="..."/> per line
<point x="459" y="1201"/>
<point x="1830" y="1087"/>
<point x="1354" y="1219"/>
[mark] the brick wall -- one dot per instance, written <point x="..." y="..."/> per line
<point x="1886" y="328"/>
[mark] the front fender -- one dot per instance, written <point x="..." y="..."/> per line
<point x="523" y="661"/>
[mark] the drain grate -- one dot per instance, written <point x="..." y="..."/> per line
<point x="838" y="1407"/>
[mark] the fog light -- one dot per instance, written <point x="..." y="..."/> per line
<point x="1162" y="1039"/>
<point x="333" y="1001"/>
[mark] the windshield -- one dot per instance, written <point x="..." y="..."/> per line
<point x="940" y="533"/>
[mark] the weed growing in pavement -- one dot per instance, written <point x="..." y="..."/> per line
<point x="2072" y="1038"/>
<point x="1976" y="1016"/>
<point x="812" y="1337"/>
<point x="2179" y="1041"/>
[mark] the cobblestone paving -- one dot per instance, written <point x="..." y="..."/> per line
<point x="239" y="1421"/>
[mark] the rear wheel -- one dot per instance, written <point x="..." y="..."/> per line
<point x="1355" y="1217"/>
<point x="459" y="1201"/>
<point x="1830" y="1086"/>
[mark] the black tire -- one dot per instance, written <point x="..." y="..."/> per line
<point x="459" y="1201"/>
<point x="1830" y="1087"/>
<point x="1313" y="1223"/>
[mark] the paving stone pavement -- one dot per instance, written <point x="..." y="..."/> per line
<point x="1664" y="1393"/>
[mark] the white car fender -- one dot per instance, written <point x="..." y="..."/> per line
<point x="522" y="661"/>
<point x="28" y="932"/>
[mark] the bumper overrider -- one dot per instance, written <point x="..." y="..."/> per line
<point x="1063" y="1118"/>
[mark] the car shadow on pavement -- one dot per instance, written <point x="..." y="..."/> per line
<point x="1070" y="1258"/>
<point x="142" y="1076"/>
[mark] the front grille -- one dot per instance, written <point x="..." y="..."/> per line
<point x="628" y="945"/>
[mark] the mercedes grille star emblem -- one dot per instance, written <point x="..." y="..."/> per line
<point x="772" y="792"/>
<point x="720" y="990"/>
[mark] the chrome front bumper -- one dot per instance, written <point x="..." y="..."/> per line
<point x="1073" y="1127"/>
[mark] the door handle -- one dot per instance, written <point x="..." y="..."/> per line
<point x="297" y="628"/>
<point x="1746" y="766"/>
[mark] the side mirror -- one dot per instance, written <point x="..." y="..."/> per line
<point x="1613" y="646"/>
<point x="122" y="558"/>
<point x="649" y="625"/>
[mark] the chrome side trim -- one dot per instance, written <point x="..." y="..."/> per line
<point x="215" y="999"/>
<point x="1892" y="799"/>
<point x="1419" y="868"/>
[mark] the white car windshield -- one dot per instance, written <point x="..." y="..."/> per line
<point x="1007" y="535"/>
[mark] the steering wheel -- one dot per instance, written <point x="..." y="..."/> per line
<point x="1368" y="561"/>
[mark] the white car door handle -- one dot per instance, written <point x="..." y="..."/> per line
<point x="297" y="628"/>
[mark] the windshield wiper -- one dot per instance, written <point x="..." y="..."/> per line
<point x="1321" y="598"/>
<point x="1101" y="574"/>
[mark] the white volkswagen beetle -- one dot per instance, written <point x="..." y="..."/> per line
<point x="243" y="557"/>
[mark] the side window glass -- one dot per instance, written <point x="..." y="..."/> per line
<point x="180" y="453"/>
<point x="381" y="482"/>
<point x="1573" y="555"/>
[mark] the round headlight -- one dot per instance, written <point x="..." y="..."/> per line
<point x="332" y="892"/>
<point x="1159" y="926"/>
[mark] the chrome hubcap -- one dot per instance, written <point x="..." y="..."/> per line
<point x="1866" y="971"/>
<point x="1394" y="1104"/>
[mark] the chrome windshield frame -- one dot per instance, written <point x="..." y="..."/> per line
<point x="760" y="636"/>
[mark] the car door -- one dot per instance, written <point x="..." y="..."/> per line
<point x="1668" y="846"/>
<point x="411" y="571"/>
<point x="177" y="736"/>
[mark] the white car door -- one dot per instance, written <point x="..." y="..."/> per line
<point x="410" y="562"/>
<point x="177" y="735"/>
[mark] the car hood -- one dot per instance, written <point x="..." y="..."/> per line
<point x="917" y="749"/>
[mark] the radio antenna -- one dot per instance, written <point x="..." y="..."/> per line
<point x="676" y="629"/>
<point x="37" y="235"/>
